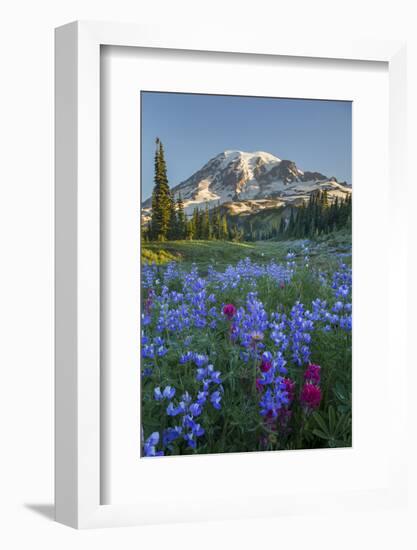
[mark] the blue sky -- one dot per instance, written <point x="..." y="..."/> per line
<point x="315" y="134"/>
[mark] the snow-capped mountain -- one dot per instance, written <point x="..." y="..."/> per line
<point x="249" y="182"/>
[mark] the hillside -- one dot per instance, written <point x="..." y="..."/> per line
<point x="250" y="182"/>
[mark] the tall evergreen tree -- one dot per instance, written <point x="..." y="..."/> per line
<point x="161" y="197"/>
<point x="173" y="232"/>
<point x="196" y="224"/>
<point x="181" y="219"/>
<point x="205" y="226"/>
<point x="224" y="230"/>
<point x="215" y="223"/>
<point x="190" y="228"/>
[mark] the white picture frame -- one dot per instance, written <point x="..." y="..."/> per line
<point x="77" y="242"/>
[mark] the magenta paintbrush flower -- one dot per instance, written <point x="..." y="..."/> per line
<point x="310" y="396"/>
<point x="229" y="310"/>
<point x="312" y="374"/>
<point x="266" y="365"/>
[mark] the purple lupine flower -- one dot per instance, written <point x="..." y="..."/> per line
<point x="149" y="447"/>
<point x="170" y="435"/>
<point x="195" y="409"/>
<point x="168" y="392"/>
<point x="215" y="399"/>
<point x="158" y="394"/>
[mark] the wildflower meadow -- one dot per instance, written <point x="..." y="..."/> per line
<point x="251" y="355"/>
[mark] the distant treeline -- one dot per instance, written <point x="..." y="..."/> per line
<point x="169" y="222"/>
<point x="316" y="217"/>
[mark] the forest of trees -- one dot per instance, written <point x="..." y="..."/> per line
<point x="318" y="216"/>
<point x="169" y="222"/>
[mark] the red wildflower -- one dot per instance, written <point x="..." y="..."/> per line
<point x="310" y="396"/>
<point x="312" y="374"/>
<point x="229" y="310"/>
<point x="265" y="365"/>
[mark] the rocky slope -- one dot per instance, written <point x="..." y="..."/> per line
<point x="250" y="182"/>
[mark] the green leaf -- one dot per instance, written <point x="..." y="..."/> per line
<point x="332" y="420"/>
<point x="321" y="434"/>
<point x="318" y="418"/>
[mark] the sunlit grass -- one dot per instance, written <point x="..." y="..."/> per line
<point x="323" y="251"/>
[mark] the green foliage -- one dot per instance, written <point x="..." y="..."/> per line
<point x="158" y="256"/>
<point x="319" y="216"/>
<point x="313" y="219"/>
<point x="343" y="397"/>
<point x="181" y="219"/>
<point x="162" y="203"/>
<point x="334" y="428"/>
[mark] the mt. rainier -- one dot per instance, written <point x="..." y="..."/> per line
<point x="249" y="182"/>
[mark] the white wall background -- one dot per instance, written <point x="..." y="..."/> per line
<point x="26" y="287"/>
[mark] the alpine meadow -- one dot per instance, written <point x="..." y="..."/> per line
<point x="246" y="275"/>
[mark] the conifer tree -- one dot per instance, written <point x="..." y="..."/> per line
<point x="173" y="221"/>
<point x="321" y="214"/>
<point x="181" y="219"/>
<point x="235" y="233"/>
<point x="161" y="197"/>
<point x="190" y="229"/>
<point x="205" y="225"/>
<point x="196" y="224"/>
<point x="215" y="223"/>
<point x="224" y="230"/>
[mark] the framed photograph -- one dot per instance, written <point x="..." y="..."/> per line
<point x="223" y="210"/>
<point x="246" y="275"/>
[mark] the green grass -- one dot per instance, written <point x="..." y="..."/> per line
<point x="219" y="254"/>
<point x="215" y="253"/>
<point x="158" y="256"/>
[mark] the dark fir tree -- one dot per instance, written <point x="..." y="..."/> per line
<point x="181" y="219"/>
<point x="320" y="215"/>
<point x="291" y="224"/>
<point x="215" y="222"/>
<point x="173" y="230"/>
<point x="161" y="198"/>
<point x="224" y="230"/>
<point x="189" y="229"/>
<point x="205" y="226"/>
<point x="196" y="224"/>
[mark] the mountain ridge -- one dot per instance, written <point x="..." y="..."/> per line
<point x="249" y="181"/>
